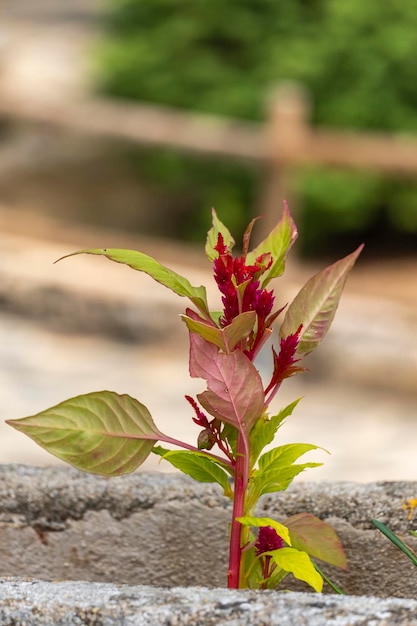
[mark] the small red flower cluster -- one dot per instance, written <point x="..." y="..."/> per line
<point x="268" y="540"/>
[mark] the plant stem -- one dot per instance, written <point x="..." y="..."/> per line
<point x="241" y="482"/>
<point x="187" y="446"/>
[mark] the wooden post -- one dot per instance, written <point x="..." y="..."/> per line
<point x="286" y="134"/>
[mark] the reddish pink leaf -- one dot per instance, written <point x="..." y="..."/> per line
<point x="235" y="392"/>
<point x="315" y="305"/>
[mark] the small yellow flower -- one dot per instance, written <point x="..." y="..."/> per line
<point x="409" y="506"/>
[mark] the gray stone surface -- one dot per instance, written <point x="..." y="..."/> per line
<point x="74" y="603"/>
<point x="168" y="530"/>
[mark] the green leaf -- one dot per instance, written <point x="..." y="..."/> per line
<point x="276" y="480"/>
<point x="212" y="235"/>
<point x="102" y="432"/>
<point x="299" y="564"/>
<point x="317" y="538"/>
<point x="283" y="456"/>
<point x="210" y="333"/>
<point x="258" y="522"/>
<point x="229" y="433"/>
<point x="278" y="243"/>
<point x="163" y="275"/>
<point x="276" y="577"/>
<point x="265" y="429"/>
<point x="224" y="338"/>
<point x="159" y="450"/>
<point x="198" y="466"/>
<point x="315" y="305"/>
<point x="277" y="470"/>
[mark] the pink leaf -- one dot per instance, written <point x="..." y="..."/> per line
<point x="235" y="392"/>
<point x="317" y="538"/>
<point x="315" y="305"/>
<point x="202" y="353"/>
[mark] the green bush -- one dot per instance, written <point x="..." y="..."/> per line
<point x="356" y="58"/>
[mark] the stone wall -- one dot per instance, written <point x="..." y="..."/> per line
<point x="167" y="530"/>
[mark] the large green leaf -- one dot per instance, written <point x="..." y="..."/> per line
<point x="102" y="432"/>
<point x="318" y="539"/>
<point x="198" y="466"/>
<point x="278" y="244"/>
<point x="224" y="338"/>
<point x="212" y="235"/>
<point x="315" y="305"/>
<point x="163" y="275"/>
<point x="299" y="564"/>
<point x="265" y="430"/>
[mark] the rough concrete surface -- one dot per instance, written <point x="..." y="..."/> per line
<point x="168" y="530"/>
<point x="75" y="603"/>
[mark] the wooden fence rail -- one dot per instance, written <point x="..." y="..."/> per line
<point x="285" y="142"/>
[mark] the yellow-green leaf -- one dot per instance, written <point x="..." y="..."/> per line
<point x="283" y="456"/>
<point x="212" y="235"/>
<point x="101" y="432"/>
<point x="259" y="522"/>
<point x="265" y="429"/>
<point x="224" y="338"/>
<point x="278" y="244"/>
<point x="198" y="466"/>
<point x="299" y="564"/>
<point x="163" y="275"/>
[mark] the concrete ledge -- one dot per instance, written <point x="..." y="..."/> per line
<point x="167" y="530"/>
<point x="69" y="603"/>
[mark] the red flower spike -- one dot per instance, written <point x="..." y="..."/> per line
<point x="284" y="362"/>
<point x="268" y="540"/>
<point x="201" y="419"/>
<point x="220" y="246"/>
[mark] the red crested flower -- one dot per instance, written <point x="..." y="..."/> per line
<point x="268" y="540"/>
<point x="239" y="285"/>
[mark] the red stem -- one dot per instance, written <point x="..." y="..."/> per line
<point x="241" y="482"/>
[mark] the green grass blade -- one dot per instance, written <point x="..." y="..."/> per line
<point x="331" y="584"/>
<point x="395" y="540"/>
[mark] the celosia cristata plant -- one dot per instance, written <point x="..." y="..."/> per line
<point x="111" y="434"/>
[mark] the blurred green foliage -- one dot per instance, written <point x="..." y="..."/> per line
<point x="356" y="58"/>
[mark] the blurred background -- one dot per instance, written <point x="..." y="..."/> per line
<point x="122" y="122"/>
